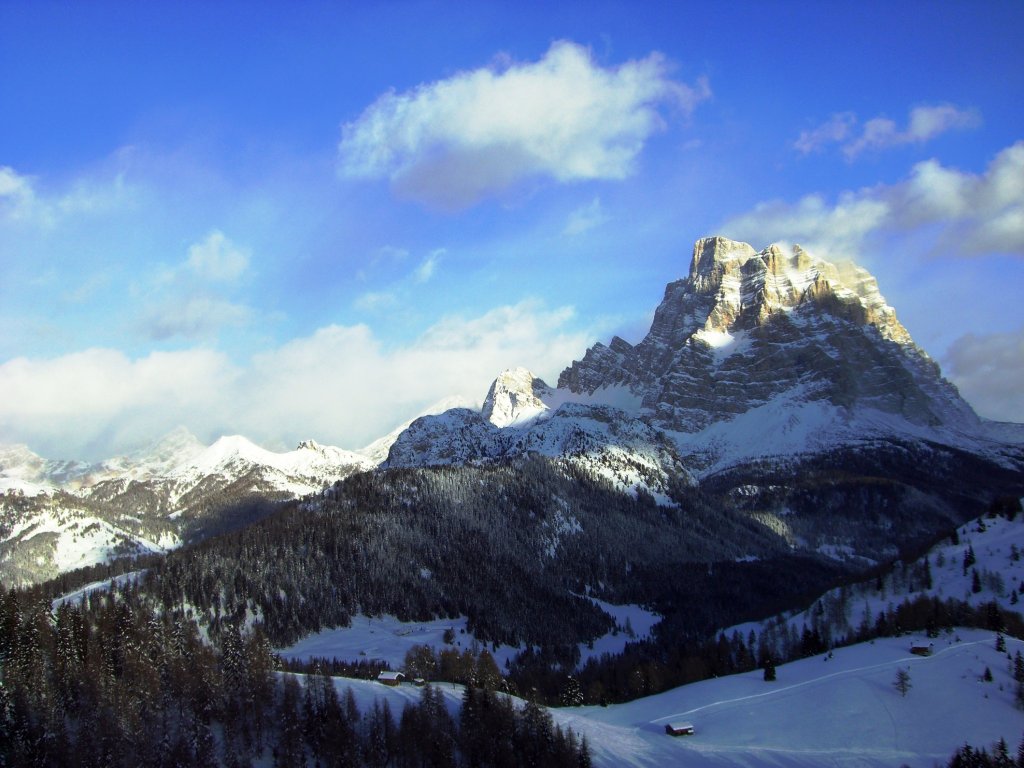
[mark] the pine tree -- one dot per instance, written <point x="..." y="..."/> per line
<point x="902" y="681"/>
<point x="472" y="731"/>
<point x="289" y="752"/>
<point x="969" y="558"/>
<point x="975" y="581"/>
<point x="927" y="581"/>
<point x="488" y="676"/>
<point x="572" y="693"/>
<point x="583" y="759"/>
<point x="1001" y="755"/>
<point x="375" y="750"/>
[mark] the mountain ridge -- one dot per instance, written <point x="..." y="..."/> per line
<point x="756" y="362"/>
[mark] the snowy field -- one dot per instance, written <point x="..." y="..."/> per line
<point x="388" y="639"/>
<point x="844" y="712"/>
<point x="633" y="623"/>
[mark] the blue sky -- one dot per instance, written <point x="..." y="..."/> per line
<point x="295" y="220"/>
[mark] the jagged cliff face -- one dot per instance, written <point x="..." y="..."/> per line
<point x="746" y="327"/>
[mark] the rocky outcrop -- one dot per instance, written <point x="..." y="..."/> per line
<point x="514" y="397"/>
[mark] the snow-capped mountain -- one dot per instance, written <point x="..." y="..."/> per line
<point x="774" y="382"/>
<point x="60" y="515"/>
<point x="521" y="414"/>
<point x="782" y="337"/>
<point x="377" y="451"/>
<point x="754" y="354"/>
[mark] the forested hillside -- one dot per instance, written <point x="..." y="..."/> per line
<point x="513" y="546"/>
<point x="115" y="681"/>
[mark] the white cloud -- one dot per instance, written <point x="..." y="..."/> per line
<point x="961" y="213"/>
<point x="17" y="197"/>
<point x="183" y="301"/>
<point x="90" y="401"/>
<point x="928" y="122"/>
<point x="988" y="369"/>
<point x="835" y="129"/>
<point x="453" y="142"/>
<point x="216" y="258"/>
<point x="924" y="124"/>
<point x="340" y="385"/>
<point x="428" y="266"/>
<point x="22" y="202"/>
<point x="403" y="289"/>
<point x="585" y="218"/>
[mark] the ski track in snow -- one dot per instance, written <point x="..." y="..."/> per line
<point x="805" y="683"/>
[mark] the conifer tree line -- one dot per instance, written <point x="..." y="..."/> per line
<point x="999" y="756"/>
<point x="115" y="681"/>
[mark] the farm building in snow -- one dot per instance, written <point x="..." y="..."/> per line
<point x="680" y="729"/>
<point x="390" y="678"/>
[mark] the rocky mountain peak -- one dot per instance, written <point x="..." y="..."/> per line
<point x="713" y="257"/>
<point x="515" y="396"/>
<point x="747" y="326"/>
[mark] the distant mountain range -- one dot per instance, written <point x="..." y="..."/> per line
<point x="770" y="381"/>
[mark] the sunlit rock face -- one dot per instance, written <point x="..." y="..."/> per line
<point x="745" y="327"/>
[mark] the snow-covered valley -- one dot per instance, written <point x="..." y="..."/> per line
<point x="842" y="711"/>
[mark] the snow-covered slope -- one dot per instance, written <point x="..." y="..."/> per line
<point x="604" y="441"/>
<point x="983" y="562"/>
